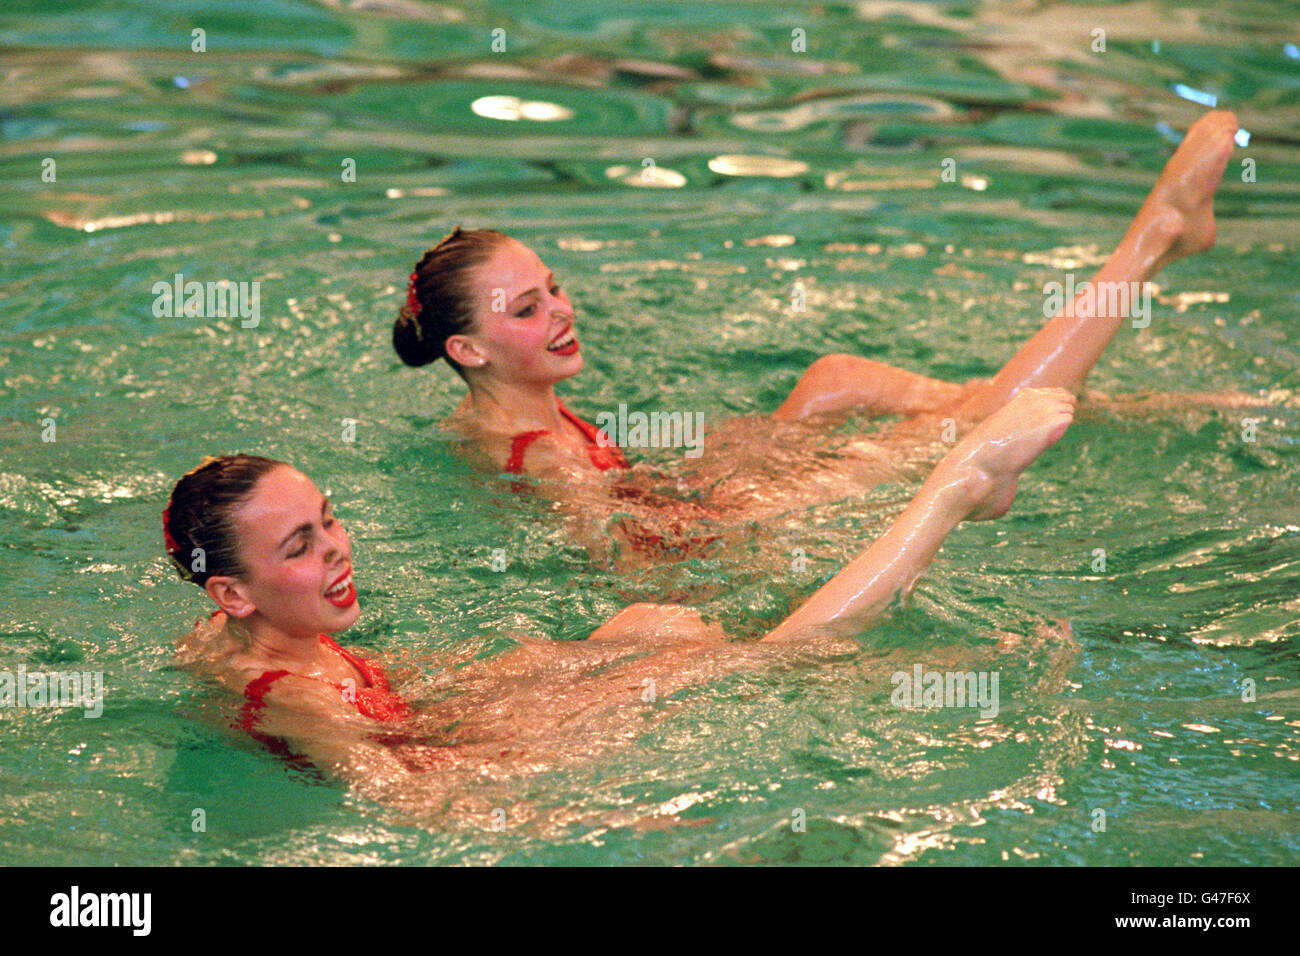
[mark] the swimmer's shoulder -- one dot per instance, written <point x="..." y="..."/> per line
<point x="205" y="642"/>
<point x="459" y="424"/>
<point x="208" y="648"/>
<point x="541" y="455"/>
<point x="487" y="448"/>
<point x="550" y="457"/>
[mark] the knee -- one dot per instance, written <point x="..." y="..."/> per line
<point x="832" y="367"/>
<point x="822" y="386"/>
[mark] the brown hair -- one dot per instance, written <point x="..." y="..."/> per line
<point x="440" y="296"/>
<point x="199" y="523"/>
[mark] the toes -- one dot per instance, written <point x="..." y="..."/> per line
<point x="1224" y="117"/>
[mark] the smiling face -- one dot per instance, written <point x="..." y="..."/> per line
<point x="523" y="322"/>
<point x="297" y="559"/>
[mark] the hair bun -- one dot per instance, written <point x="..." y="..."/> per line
<point x="412" y="345"/>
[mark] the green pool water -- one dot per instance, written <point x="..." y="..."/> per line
<point x="229" y="163"/>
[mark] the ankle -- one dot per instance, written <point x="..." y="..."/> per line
<point x="1155" y="239"/>
<point x="957" y="486"/>
<point x="1168" y="225"/>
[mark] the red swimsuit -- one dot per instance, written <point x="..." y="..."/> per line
<point x="375" y="701"/>
<point x="606" y="457"/>
<point x="603" y="457"/>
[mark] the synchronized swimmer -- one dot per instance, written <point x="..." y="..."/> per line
<point x="487" y="305"/>
<point x="278" y="564"/>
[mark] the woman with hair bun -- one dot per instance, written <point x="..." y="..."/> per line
<point x="489" y="306"/>
<point x="265" y="546"/>
<point x="263" y="543"/>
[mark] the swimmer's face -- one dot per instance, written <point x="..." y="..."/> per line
<point x="522" y="315"/>
<point x="297" y="559"/>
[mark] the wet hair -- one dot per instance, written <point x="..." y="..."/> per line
<point x="440" y="296"/>
<point x="201" y="514"/>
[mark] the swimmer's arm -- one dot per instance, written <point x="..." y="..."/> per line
<point x="889" y="568"/>
<point x="404" y="775"/>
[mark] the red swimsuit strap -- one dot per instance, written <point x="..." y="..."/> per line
<point x="375" y="701"/>
<point x="587" y="428"/>
<point x="371" y="671"/>
<point x="255" y="698"/>
<point x="603" y="457"/>
<point x="518" y="446"/>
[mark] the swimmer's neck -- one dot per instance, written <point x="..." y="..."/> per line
<point x="261" y="640"/>
<point x="512" y="407"/>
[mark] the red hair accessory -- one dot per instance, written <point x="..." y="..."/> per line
<point x="168" y="541"/>
<point x="412" y="300"/>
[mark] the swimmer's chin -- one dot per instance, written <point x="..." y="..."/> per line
<point x="344" y="618"/>
<point x="573" y="363"/>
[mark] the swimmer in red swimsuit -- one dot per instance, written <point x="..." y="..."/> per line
<point x="663" y="527"/>
<point x="487" y="304"/>
<point x="262" y="542"/>
<point x="259" y="538"/>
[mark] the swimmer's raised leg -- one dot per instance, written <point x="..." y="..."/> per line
<point x="658" y="623"/>
<point x="1176" y="221"/>
<point x="975" y="481"/>
<point x="840" y="380"/>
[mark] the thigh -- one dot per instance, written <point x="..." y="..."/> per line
<point x="839" y="381"/>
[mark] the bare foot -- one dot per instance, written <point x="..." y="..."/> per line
<point x="1182" y="201"/>
<point x="990" y="459"/>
